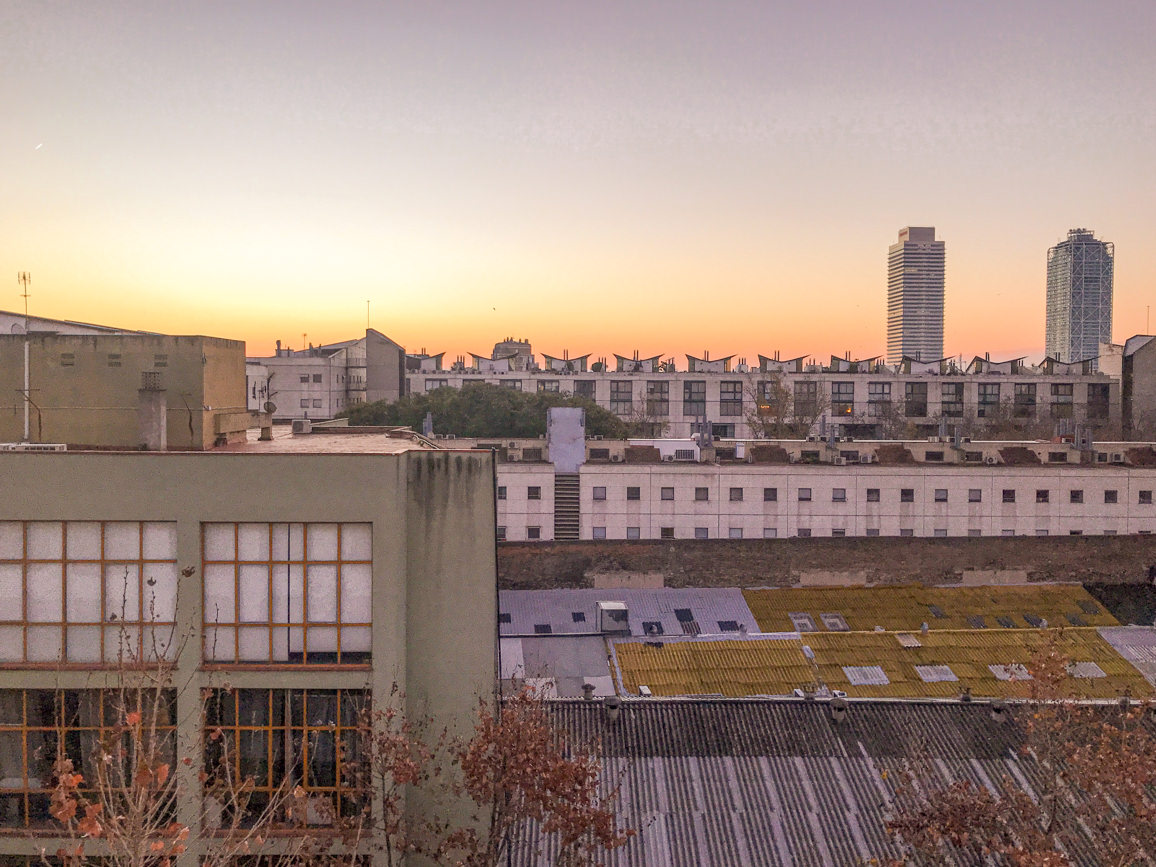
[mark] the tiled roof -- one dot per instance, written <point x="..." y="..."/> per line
<point x="530" y="609"/>
<point x="777" y="666"/>
<point x="765" y="782"/>
<point x="906" y="608"/>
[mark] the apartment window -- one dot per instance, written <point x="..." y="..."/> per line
<point x="1009" y="495"/>
<point x="1062" y="399"/>
<point x="501" y="492"/>
<point x="988" y="398"/>
<point x="770" y="532"/>
<point x="1024" y="401"/>
<point x="621" y="397"/>
<point x="534" y="492"/>
<point x="872" y="531"/>
<point x="915" y="399"/>
<point x="1098" y="401"/>
<point x="701" y="533"/>
<point x="933" y="457"/>
<point x="951" y="399"/>
<point x="533" y="532"/>
<point x="317" y="403"/>
<point x="1076" y="496"/>
<point x="1041" y="532"/>
<point x="1057" y="457"/>
<point x="702" y="494"/>
<point x="87" y="591"/>
<point x="735" y="533"/>
<point x="114" y="359"/>
<point x="584" y="388"/>
<point x="634" y="493"/>
<point x="67" y="359"/>
<point x="940" y="533"/>
<point x="770" y="495"/>
<point x="287" y="593"/>
<point x="317" y="377"/>
<point x="515" y="384"/>
<point x="435" y="384"/>
<point x="305" y="377"/>
<point x="312" y="739"/>
<point x="878" y="399"/>
<point x="907" y="532"/>
<point x="730" y="401"/>
<point x="599" y="532"/>
<point x="838" y="533"/>
<point x="1110" y="497"/>
<point x="806" y="399"/>
<point x="633" y="533"/>
<point x="975" y="495"/>
<point x="907" y="495"/>
<point x="804" y="495"/>
<point x="548" y="385"/>
<point x="872" y="495"/>
<point x="657" y="398"/>
<point x="974" y="533"/>
<point x="160" y="360"/>
<point x="501" y="534"/>
<point x="842" y="398"/>
<point x="666" y="533"/>
<point x="1145" y="498"/>
<point x="941" y="495"/>
<point x="736" y="495"/>
<point x="668" y="493"/>
<point x="694" y="397"/>
<point x="838" y="495"/>
<point x="1042" y="496"/>
<point x="1075" y="532"/>
<point x="803" y="533"/>
<point x="599" y="454"/>
<point x="599" y="492"/>
<point x="1007" y="532"/>
<point x="38" y="724"/>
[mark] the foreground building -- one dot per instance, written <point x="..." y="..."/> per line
<point x="304" y="582"/>
<point x="1079" y="300"/>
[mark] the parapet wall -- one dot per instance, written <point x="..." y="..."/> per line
<point x="812" y="562"/>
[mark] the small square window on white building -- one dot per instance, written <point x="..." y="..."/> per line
<point x="599" y="532"/>
<point x="735" y="533"/>
<point x="701" y="533"/>
<point x="633" y="533"/>
<point x="770" y="532"/>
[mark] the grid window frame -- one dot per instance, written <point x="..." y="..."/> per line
<point x="102" y="593"/>
<point x="280" y="560"/>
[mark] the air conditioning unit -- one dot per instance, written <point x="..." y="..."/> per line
<point x="302" y="426"/>
<point x="839" y="462"/>
<point x="596" y="437"/>
<point x="812" y="439"/>
<point x="513" y="445"/>
<point x="669" y="459"/>
<point x="617" y="459"/>
<point x="991" y="460"/>
<point x="866" y="459"/>
<point x="933" y="439"/>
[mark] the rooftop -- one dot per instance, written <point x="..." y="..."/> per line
<point x="342" y="441"/>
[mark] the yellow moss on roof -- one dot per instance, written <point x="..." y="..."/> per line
<point x="899" y="608"/>
<point x="778" y="666"/>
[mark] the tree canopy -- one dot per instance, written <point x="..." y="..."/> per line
<point x="483" y="410"/>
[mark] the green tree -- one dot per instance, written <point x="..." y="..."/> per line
<point x="484" y="410"/>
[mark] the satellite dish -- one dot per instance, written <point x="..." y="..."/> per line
<point x="270" y="407"/>
<point x="17" y="328"/>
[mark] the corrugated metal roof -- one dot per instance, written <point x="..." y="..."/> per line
<point x="764" y="666"/>
<point x="528" y="609"/>
<point x="723" y="783"/>
<point x="1137" y="644"/>
<point x="907" y="608"/>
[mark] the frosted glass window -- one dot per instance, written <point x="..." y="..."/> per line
<point x="287" y="593"/>
<point x="70" y="585"/>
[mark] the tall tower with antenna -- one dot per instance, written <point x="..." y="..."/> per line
<point x="24" y="279"/>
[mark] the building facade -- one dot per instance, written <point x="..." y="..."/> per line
<point x="1079" y="298"/>
<point x="915" y="295"/>
<point x="303" y="582"/>
<point x="321" y="381"/>
<point x="123" y="390"/>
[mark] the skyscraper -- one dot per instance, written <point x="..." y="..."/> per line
<point x="1079" y="296"/>
<point x="915" y="268"/>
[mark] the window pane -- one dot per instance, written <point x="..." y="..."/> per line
<point x="44" y="592"/>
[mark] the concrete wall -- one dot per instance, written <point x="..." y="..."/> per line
<point x="85" y="388"/>
<point x="794" y="562"/>
<point x="384" y="368"/>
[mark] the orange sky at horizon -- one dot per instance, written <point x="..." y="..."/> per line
<point x="601" y="178"/>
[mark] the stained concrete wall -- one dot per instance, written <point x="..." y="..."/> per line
<point x="851" y="561"/>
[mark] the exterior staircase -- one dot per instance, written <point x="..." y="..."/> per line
<point x="567" y="509"/>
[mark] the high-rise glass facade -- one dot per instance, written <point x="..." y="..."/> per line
<point x="1079" y="316"/>
<point x="915" y="278"/>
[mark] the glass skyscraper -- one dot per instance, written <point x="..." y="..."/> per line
<point x="1079" y="314"/>
<point x="915" y="271"/>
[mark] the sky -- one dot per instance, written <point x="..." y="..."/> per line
<point x="600" y="177"/>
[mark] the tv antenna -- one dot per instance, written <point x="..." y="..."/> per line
<point x="24" y="278"/>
